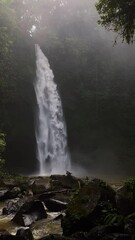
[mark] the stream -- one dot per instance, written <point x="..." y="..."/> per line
<point x="39" y="229"/>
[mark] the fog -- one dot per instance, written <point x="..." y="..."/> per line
<point x="95" y="79"/>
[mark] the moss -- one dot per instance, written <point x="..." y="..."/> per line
<point x="130" y="185"/>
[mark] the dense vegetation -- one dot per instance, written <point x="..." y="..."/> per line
<point x="118" y="16"/>
<point x="95" y="81"/>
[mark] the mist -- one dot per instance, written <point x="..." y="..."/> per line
<point x="95" y="80"/>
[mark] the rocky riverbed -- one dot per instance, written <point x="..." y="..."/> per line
<point x="63" y="207"/>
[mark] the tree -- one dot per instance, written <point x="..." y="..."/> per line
<point x="2" y="143"/>
<point x="119" y="16"/>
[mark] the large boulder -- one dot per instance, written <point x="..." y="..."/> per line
<point x="14" y="192"/>
<point x="10" y="183"/>
<point x="14" y="205"/>
<point x="54" y="205"/>
<point x="64" y="181"/>
<point x="46" y="195"/>
<point x="125" y="201"/>
<point x="11" y="237"/>
<point x="86" y="208"/>
<point x="80" y="210"/>
<point x="4" y="194"/>
<point x="107" y="192"/>
<point x="25" y="233"/>
<point x="56" y="237"/>
<point x="29" y="213"/>
<point x="40" y="185"/>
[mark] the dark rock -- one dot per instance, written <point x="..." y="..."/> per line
<point x="4" y="194"/>
<point x="56" y="237"/>
<point x="55" y="205"/>
<point x="60" y="216"/>
<point x="9" y="183"/>
<point x="80" y="210"/>
<point x="107" y="192"/>
<point x="2" y="184"/>
<point x="124" y="200"/>
<point x="80" y="236"/>
<point x="40" y="185"/>
<point x="62" y="195"/>
<point x="117" y="236"/>
<point x="29" y="213"/>
<point x="13" y="206"/>
<point x="4" y="232"/>
<point x="100" y="232"/>
<point x="46" y="195"/>
<point x="28" y="193"/>
<point x="14" y="192"/>
<point x="103" y="233"/>
<point x="64" y="181"/>
<point x="130" y="226"/>
<point x="11" y="237"/>
<point x="25" y="233"/>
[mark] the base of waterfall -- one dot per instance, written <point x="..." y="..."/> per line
<point x="75" y="169"/>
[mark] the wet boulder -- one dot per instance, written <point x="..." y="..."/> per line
<point x="14" y="205"/>
<point x="85" y="210"/>
<point x="25" y="233"/>
<point x="56" y="237"/>
<point x="80" y="211"/>
<point x="30" y="212"/>
<point x="54" y="205"/>
<point x="14" y="192"/>
<point x="4" y="194"/>
<point x="125" y="200"/>
<point x="46" y="195"/>
<point x="40" y="185"/>
<point x="11" y="237"/>
<point x="4" y="232"/>
<point x="64" y="181"/>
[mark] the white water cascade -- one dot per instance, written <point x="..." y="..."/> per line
<point x="51" y="135"/>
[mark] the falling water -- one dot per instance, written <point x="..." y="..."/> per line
<point x="51" y="136"/>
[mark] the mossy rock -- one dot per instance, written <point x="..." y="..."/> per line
<point x="40" y="185"/>
<point x="68" y="181"/>
<point x="107" y="192"/>
<point x="125" y="197"/>
<point x="80" y="209"/>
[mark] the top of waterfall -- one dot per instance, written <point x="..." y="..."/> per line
<point x="40" y="54"/>
<point x="43" y="61"/>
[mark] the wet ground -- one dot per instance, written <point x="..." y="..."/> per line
<point x="39" y="229"/>
<point x="46" y="226"/>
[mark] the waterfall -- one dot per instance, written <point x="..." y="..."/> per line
<point x="51" y="134"/>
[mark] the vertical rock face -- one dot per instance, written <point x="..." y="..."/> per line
<point x="51" y="136"/>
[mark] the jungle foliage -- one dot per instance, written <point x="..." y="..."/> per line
<point x="118" y="16"/>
